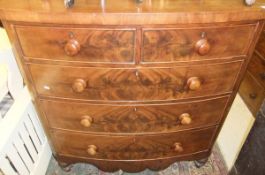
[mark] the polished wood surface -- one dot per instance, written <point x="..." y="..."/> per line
<point x="252" y="89"/>
<point x="78" y="44"/>
<point x="252" y="93"/>
<point x="257" y="68"/>
<point x="147" y="84"/>
<point x="195" y="44"/>
<point x="261" y="44"/>
<point x="124" y="12"/>
<point x="132" y="147"/>
<point x="130" y="165"/>
<point x="132" y="86"/>
<point x="130" y="119"/>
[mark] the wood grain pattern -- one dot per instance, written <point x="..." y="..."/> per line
<point x="257" y="68"/>
<point x="261" y="44"/>
<point x="252" y="93"/>
<point x="133" y="166"/>
<point x="96" y="44"/>
<point x="178" y="44"/>
<point x="48" y="73"/>
<point x="124" y="12"/>
<point x="134" y="84"/>
<point x="132" y="147"/>
<point x="115" y="119"/>
<point x="252" y="89"/>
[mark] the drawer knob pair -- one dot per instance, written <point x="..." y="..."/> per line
<point x="92" y="150"/>
<point x="86" y="121"/>
<point x="178" y="147"/>
<point x="185" y="119"/>
<point x="79" y="85"/>
<point x="202" y="46"/>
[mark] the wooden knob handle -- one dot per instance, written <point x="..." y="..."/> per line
<point x="86" y="121"/>
<point x="92" y="150"/>
<point x="178" y="147"/>
<point x="185" y="119"/>
<point x="79" y="85"/>
<point x="202" y="46"/>
<point x="253" y="96"/>
<point x="72" y="47"/>
<point x="194" y="83"/>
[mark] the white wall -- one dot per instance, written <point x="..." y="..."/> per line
<point x="235" y="131"/>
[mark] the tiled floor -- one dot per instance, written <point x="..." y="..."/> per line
<point x="215" y="166"/>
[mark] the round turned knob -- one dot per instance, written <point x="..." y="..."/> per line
<point x="86" y="121"/>
<point x="253" y="96"/>
<point x="178" y="147"/>
<point x="72" y="47"/>
<point x="194" y="83"/>
<point x="92" y="150"/>
<point x="79" y="85"/>
<point x="185" y="119"/>
<point x="202" y="46"/>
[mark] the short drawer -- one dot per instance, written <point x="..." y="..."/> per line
<point x="132" y="147"/>
<point x="115" y="119"/>
<point x="119" y="84"/>
<point x="77" y="44"/>
<point x="252" y="93"/>
<point x="196" y="43"/>
<point x="257" y="68"/>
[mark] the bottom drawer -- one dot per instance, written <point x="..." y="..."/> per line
<point x="132" y="147"/>
<point x="252" y="93"/>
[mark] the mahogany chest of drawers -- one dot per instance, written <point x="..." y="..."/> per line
<point x="132" y="86"/>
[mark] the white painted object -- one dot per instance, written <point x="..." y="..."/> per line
<point x="24" y="148"/>
<point x="235" y="131"/>
<point x="15" y="81"/>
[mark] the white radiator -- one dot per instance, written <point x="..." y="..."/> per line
<point x="24" y="149"/>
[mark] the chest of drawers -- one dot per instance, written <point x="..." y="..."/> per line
<point x="132" y="86"/>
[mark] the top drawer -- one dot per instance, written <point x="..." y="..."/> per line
<point x="77" y="44"/>
<point x="194" y="44"/>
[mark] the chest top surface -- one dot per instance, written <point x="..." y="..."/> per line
<point x="117" y="12"/>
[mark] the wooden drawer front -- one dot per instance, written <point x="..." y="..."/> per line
<point x="77" y="44"/>
<point x="257" y="68"/>
<point x="134" y="84"/>
<point x="252" y="93"/>
<point x="261" y="44"/>
<point x="134" y="119"/>
<point x="194" y="44"/>
<point x="132" y="147"/>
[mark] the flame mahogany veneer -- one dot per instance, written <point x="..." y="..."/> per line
<point x="132" y="86"/>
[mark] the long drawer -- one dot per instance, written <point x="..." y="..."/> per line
<point x="115" y="119"/>
<point x="120" y="84"/>
<point x="196" y="43"/>
<point x="132" y="147"/>
<point x="106" y="45"/>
